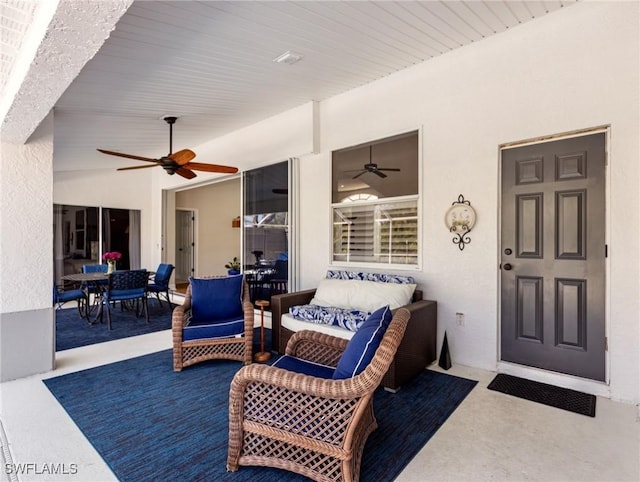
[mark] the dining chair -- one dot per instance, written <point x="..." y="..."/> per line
<point x="279" y="281"/>
<point x="160" y="283"/>
<point x="61" y="296"/>
<point x="94" y="288"/>
<point x="126" y="286"/>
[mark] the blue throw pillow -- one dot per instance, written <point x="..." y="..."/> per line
<point x="215" y="299"/>
<point x="363" y="345"/>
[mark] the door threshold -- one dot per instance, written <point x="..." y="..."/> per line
<point x="593" y="387"/>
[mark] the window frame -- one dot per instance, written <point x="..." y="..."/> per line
<point x="333" y="263"/>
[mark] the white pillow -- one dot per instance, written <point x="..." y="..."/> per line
<point x="362" y="295"/>
<point x="371" y="295"/>
<point x="332" y="292"/>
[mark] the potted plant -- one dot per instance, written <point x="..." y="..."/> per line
<point x="233" y="266"/>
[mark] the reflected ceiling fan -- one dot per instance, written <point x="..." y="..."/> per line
<point x="174" y="163"/>
<point x="373" y="168"/>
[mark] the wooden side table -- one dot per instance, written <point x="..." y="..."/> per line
<point x="262" y="356"/>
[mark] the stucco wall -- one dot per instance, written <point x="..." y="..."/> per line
<point x="572" y="69"/>
<point x="26" y="255"/>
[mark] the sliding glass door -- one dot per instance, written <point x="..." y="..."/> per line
<point x="81" y="234"/>
<point x="266" y="230"/>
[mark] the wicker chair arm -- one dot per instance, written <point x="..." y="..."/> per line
<point x="354" y="387"/>
<point x="312" y="418"/>
<point x="180" y="316"/>
<point x="316" y="347"/>
<point x="255" y="376"/>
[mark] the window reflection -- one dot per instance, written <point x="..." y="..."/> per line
<point x="375" y="202"/>
<point x="78" y="239"/>
<point x="266" y="228"/>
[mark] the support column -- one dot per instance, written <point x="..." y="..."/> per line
<point x="27" y="334"/>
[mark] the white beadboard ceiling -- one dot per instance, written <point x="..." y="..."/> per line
<point x="15" y="19"/>
<point x="211" y="64"/>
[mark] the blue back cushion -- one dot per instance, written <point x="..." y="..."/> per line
<point x="94" y="268"/>
<point x="163" y="274"/>
<point x="215" y="299"/>
<point x="363" y="345"/>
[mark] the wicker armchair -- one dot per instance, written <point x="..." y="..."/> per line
<point x="314" y="426"/>
<point x="231" y="346"/>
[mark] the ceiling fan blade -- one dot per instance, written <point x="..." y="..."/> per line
<point x="378" y="173"/>
<point x="395" y="169"/>
<point x="182" y="157"/>
<point x="128" y="156"/>
<point x="358" y="175"/>
<point x="199" y="166"/>
<point x="135" y="167"/>
<point x="186" y="173"/>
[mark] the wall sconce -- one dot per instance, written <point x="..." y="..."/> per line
<point x="235" y="223"/>
<point x="460" y="219"/>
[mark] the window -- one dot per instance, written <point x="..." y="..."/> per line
<point x="375" y="202"/>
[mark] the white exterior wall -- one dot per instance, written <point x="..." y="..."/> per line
<point x="572" y="69"/>
<point x="26" y="255"/>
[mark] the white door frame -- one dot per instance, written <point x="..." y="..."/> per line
<point x="537" y="374"/>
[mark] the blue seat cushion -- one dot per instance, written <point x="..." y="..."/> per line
<point x="305" y="367"/>
<point x="207" y="330"/>
<point x="130" y="294"/>
<point x="363" y="345"/>
<point x="70" y="295"/>
<point x="216" y="299"/>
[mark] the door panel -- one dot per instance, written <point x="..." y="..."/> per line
<point x="553" y="256"/>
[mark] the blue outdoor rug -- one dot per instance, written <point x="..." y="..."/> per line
<point x="149" y="423"/>
<point x="73" y="331"/>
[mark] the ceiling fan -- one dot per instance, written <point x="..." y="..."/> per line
<point x="373" y="168"/>
<point x="174" y="163"/>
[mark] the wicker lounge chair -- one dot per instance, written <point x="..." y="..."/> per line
<point x="314" y="426"/>
<point x="212" y="340"/>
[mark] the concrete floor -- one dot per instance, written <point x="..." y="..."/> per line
<point x="490" y="437"/>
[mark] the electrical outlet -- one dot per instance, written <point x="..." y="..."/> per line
<point x="460" y="319"/>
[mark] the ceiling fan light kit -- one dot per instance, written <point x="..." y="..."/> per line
<point x="175" y="162"/>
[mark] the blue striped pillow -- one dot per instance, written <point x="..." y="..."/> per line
<point x="363" y="345"/>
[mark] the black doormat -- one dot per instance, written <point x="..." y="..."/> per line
<point x="571" y="400"/>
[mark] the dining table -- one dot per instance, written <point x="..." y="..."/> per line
<point x="98" y="280"/>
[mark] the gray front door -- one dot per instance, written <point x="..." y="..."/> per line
<point x="553" y="256"/>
